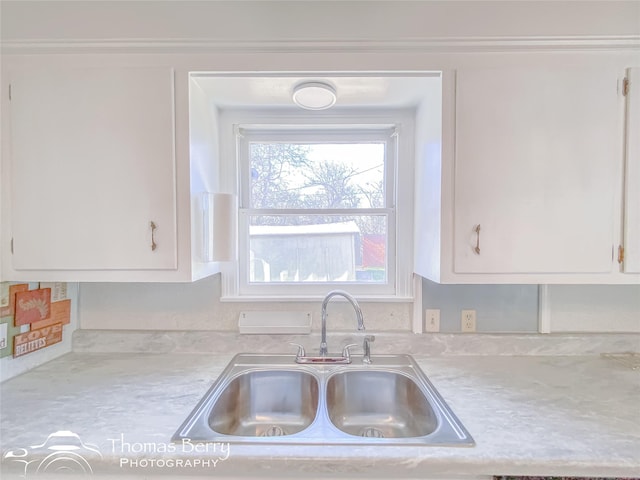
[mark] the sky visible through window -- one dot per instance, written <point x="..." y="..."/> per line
<point x="320" y="175"/>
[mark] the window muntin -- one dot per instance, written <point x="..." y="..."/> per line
<point x="317" y="208"/>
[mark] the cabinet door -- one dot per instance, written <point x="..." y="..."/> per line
<point x="631" y="262"/>
<point x="535" y="166"/>
<point x="92" y="165"/>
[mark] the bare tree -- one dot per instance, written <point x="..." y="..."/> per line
<point x="271" y="167"/>
<point x="333" y="182"/>
<point x="283" y="177"/>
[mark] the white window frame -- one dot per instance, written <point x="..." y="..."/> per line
<point x="394" y="127"/>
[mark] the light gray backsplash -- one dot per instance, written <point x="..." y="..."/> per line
<point x="594" y="308"/>
<point x="197" y="306"/>
<point x="499" y="308"/>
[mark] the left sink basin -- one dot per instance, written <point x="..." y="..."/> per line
<point x="265" y="403"/>
<point x="256" y="399"/>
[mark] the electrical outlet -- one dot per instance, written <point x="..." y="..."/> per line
<point x="432" y="320"/>
<point x="468" y="318"/>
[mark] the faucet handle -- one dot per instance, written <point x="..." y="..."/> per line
<point x="345" y="351"/>
<point x="301" y="352"/>
<point x="366" y="346"/>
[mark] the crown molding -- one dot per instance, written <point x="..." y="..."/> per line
<point x="429" y="45"/>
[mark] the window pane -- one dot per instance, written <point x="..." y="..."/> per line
<point x="317" y="175"/>
<point x="318" y="248"/>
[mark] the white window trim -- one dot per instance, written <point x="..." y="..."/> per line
<point x="400" y="285"/>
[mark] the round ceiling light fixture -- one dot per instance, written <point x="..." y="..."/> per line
<point x="314" y="95"/>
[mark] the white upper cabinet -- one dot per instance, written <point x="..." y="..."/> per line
<point x="528" y="185"/>
<point x="94" y="185"/>
<point x="93" y="169"/>
<point x="533" y="156"/>
<point x="631" y="245"/>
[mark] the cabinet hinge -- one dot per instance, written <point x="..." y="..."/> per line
<point x="625" y="86"/>
<point x="620" y="254"/>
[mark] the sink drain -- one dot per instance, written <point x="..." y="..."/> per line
<point x="273" y="431"/>
<point x="371" y="432"/>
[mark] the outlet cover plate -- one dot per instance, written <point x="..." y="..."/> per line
<point x="468" y="320"/>
<point x="432" y="320"/>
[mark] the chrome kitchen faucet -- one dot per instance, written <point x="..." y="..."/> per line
<point x="325" y="302"/>
<point x="324" y="357"/>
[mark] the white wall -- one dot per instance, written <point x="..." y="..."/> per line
<point x="251" y="22"/>
<point x="309" y="36"/>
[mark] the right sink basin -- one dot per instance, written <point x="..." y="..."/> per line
<point x="379" y="404"/>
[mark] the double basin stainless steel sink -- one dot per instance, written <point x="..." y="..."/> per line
<point x="270" y="399"/>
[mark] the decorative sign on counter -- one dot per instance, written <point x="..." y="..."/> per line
<point x="60" y="313"/>
<point x="59" y="290"/>
<point x="4" y="335"/>
<point x="6" y="324"/>
<point x="32" y="316"/>
<point x="33" y="306"/>
<point x="36" y="339"/>
<point x="4" y="294"/>
<point x="10" y="308"/>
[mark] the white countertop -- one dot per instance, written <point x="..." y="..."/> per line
<point x="529" y="415"/>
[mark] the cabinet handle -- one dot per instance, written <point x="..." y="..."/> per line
<point x="154" y="245"/>
<point x="477" y="230"/>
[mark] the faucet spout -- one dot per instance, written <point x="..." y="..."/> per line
<point x="325" y="302"/>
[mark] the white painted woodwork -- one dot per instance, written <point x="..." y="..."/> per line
<point x="153" y="154"/>
<point x="266" y="91"/>
<point x="429" y="223"/>
<point x="93" y="164"/>
<point x="434" y="241"/>
<point x="534" y="149"/>
<point x="631" y="242"/>
<point x="204" y="180"/>
<point x="261" y="25"/>
<point x="534" y="154"/>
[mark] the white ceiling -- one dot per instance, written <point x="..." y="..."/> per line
<point x="389" y="91"/>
